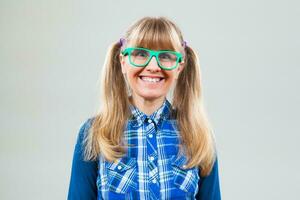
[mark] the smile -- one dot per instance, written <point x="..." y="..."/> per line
<point x="152" y="80"/>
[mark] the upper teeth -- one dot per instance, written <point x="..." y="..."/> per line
<point x="150" y="79"/>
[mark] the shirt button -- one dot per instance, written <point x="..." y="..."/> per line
<point x="149" y="121"/>
<point x="151" y="158"/>
<point x="150" y="135"/>
<point x="119" y="167"/>
<point x="154" y="181"/>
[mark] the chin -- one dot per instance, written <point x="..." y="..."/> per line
<point x="151" y="96"/>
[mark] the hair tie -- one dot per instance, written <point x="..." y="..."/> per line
<point x="184" y="44"/>
<point x="121" y="42"/>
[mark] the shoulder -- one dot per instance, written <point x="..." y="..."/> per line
<point x="82" y="138"/>
<point x="86" y="124"/>
<point x="85" y="127"/>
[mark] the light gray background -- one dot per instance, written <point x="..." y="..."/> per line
<point x="51" y="53"/>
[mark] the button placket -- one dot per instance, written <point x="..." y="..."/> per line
<point x="152" y="157"/>
<point x="150" y="133"/>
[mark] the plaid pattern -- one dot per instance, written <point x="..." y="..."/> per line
<point x="152" y="167"/>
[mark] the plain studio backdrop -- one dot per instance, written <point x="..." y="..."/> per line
<point x="51" y="54"/>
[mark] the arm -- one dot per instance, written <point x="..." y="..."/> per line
<point x="83" y="174"/>
<point x="209" y="187"/>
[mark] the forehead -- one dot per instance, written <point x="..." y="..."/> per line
<point x="154" y="36"/>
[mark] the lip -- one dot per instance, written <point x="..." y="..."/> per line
<point x="149" y="83"/>
<point x="151" y="76"/>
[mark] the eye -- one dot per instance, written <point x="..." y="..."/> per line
<point x="167" y="56"/>
<point x="140" y="53"/>
<point x="164" y="56"/>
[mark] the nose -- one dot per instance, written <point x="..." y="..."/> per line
<point x="153" y="65"/>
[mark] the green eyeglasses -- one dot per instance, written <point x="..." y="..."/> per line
<point x="140" y="57"/>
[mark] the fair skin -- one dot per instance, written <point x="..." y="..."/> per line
<point x="149" y="96"/>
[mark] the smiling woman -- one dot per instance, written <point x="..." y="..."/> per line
<point x="140" y="145"/>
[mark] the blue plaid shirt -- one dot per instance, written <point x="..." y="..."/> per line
<point x="152" y="168"/>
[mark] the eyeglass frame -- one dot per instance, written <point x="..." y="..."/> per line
<point x="128" y="50"/>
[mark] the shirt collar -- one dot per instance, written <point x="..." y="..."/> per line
<point x="162" y="112"/>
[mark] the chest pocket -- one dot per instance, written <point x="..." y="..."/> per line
<point x="121" y="175"/>
<point x="184" y="179"/>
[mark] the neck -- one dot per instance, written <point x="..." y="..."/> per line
<point x="147" y="106"/>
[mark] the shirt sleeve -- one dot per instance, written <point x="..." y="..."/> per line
<point x="209" y="187"/>
<point x="83" y="173"/>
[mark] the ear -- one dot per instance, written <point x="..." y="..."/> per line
<point x="179" y="69"/>
<point x="122" y="62"/>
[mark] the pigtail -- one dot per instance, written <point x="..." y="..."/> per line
<point x="113" y="85"/>
<point x="195" y="130"/>
<point x="107" y="128"/>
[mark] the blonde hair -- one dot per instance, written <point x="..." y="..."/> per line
<point x="105" y="134"/>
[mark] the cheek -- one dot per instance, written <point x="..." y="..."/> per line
<point x="172" y="76"/>
<point x="132" y="75"/>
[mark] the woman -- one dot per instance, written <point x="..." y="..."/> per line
<point x="140" y="145"/>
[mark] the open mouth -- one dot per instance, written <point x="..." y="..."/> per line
<point x="151" y="80"/>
